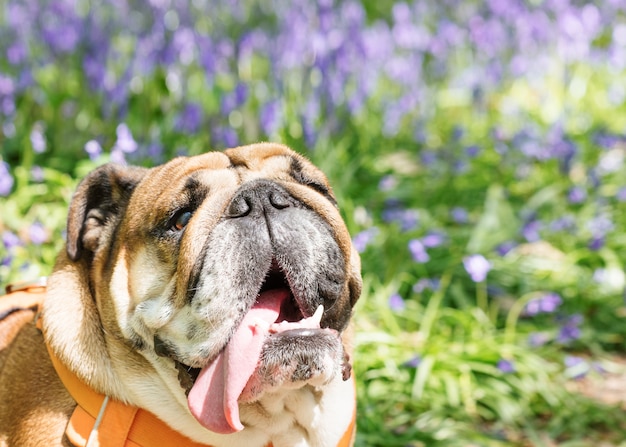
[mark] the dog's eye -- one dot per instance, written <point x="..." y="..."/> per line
<point x="181" y="220"/>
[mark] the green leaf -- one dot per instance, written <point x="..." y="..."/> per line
<point x="498" y="222"/>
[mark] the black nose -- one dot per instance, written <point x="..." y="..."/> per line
<point x="259" y="197"/>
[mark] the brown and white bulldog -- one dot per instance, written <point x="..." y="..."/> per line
<point x="213" y="291"/>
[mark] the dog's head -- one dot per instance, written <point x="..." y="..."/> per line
<point x="202" y="260"/>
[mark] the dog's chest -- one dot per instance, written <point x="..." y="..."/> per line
<point x="289" y="417"/>
<point x="305" y="416"/>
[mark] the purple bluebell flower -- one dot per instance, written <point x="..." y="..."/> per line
<point x="506" y="366"/>
<point x="7" y="86"/>
<point x="563" y="223"/>
<point x="241" y="93"/>
<point x="550" y="302"/>
<point x="530" y="231"/>
<point x="125" y="141"/>
<point x="570" y="329"/>
<point x="596" y="243"/>
<point x="93" y="149"/>
<point x="460" y="166"/>
<point x="17" y="53"/>
<point x="396" y="302"/>
<point x="477" y="267"/>
<point x="600" y="226"/>
<point x="533" y="149"/>
<point x="155" y="152"/>
<point x="564" y="151"/>
<point x="605" y="139"/>
<point x="271" y="117"/>
<point x="421" y="285"/>
<point x="418" y="251"/>
<point x="406" y="218"/>
<point x="532" y="308"/>
<point x="388" y="182"/>
<point x="60" y="28"/>
<point x="234" y="99"/>
<point x="401" y="13"/>
<point x="364" y="238"/>
<point x="95" y="71"/>
<point x="505" y="247"/>
<point x="37" y="138"/>
<point x="428" y="158"/>
<point x="459" y="215"/>
<point x="36" y="173"/>
<point x="547" y="303"/>
<point x="413" y="362"/>
<point x="576" y="195"/>
<point x="10" y="240"/>
<point x="6" y="179"/>
<point x="37" y="233"/>
<point x="426" y="284"/>
<point x="190" y="119"/>
<point x="472" y="151"/>
<point x="225" y="136"/>
<point x="434" y="239"/>
<point x="457" y="132"/>
<point x="576" y="367"/>
<point x="117" y="156"/>
<point x="7" y="106"/>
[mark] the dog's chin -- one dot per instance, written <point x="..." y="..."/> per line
<point x="278" y="349"/>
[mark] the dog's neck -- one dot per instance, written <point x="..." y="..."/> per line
<point x="111" y="422"/>
<point x="286" y="418"/>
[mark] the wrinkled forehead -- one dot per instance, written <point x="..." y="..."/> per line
<point x="264" y="160"/>
<point x="225" y="171"/>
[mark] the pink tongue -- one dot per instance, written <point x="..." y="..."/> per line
<point x="213" y="398"/>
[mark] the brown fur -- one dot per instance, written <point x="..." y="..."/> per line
<point x="35" y="405"/>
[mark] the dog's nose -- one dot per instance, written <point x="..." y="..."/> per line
<point x="259" y="197"/>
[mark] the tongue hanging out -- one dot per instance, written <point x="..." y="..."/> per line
<point x="213" y="398"/>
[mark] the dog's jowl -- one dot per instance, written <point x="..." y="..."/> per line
<point x="210" y="296"/>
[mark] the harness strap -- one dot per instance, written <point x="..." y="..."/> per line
<point x="101" y="421"/>
<point x="97" y="420"/>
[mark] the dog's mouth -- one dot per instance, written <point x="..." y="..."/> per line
<point x="290" y="312"/>
<point x="214" y="390"/>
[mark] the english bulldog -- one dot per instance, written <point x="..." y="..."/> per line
<point x="213" y="291"/>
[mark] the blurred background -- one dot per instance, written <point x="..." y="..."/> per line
<point x="476" y="149"/>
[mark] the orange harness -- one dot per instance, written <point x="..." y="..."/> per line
<point x="100" y="421"/>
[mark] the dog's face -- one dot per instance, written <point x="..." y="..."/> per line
<point x="235" y="262"/>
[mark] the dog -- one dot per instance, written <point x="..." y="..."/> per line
<point x="214" y="292"/>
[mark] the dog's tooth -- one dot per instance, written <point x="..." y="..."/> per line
<point x="317" y="316"/>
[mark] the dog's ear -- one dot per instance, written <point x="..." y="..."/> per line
<point x="98" y="201"/>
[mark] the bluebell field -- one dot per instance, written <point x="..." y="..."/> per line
<point x="477" y="150"/>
